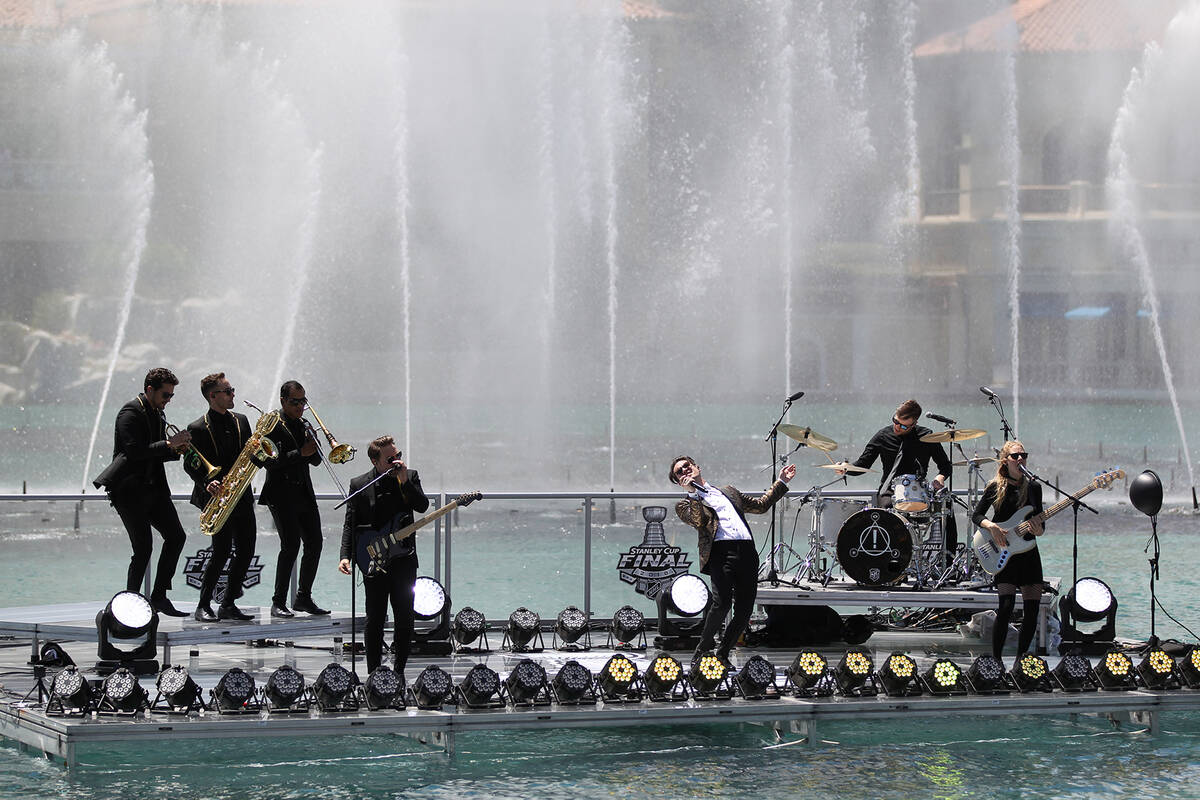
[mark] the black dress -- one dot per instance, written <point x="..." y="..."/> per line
<point x="1022" y="569"/>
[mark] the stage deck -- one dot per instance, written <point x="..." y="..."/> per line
<point x="847" y="593"/>
<point x="63" y="737"/>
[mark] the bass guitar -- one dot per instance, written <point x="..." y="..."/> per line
<point x="1021" y="536"/>
<point x="376" y="548"/>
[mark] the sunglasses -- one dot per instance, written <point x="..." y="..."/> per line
<point x="900" y="424"/>
<point x="297" y="401"/>
<point x="230" y="390"/>
<point x="1016" y="456"/>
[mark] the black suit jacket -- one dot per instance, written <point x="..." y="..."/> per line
<point x="288" y="480"/>
<point x="221" y="456"/>
<point x="373" y="509"/>
<point x="140" y="443"/>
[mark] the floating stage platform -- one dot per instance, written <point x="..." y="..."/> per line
<point x="256" y="647"/>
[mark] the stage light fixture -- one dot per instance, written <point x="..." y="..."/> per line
<point x="1073" y="673"/>
<point x="756" y="678"/>
<point x="571" y="626"/>
<point x="688" y="597"/>
<point x="432" y="688"/>
<point x="618" y="680"/>
<point x="1031" y="673"/>
<point x="234" y="691"/>
<point x="70" y="692"/>
<point x="130" y="619"/>
<point x="574" y="684"/>
<point x="177" y="690"/>
<point x="986" y="676"/>
<point x="663" y="677"/>
<point x="1090" y="600"/>
<point x="121" y="693"/>
<point x="384" y="688"/>
<point x="480" y="687"/>
<point x="898" y="676"/>
<point x="285" y="689"/>
<point x="708" y="676"/>
<point x="524" y="626"/>
<point x="334" y="689"/>
<point x="944" y="677"/>
<point x="1189" y="667"/>
<point x="628" y="626"/>
<point x="809" y="673"/>
<point x="468" y="626"/>
<point x="853" y="674"/>
<point x="431" y="602"/>
<point x="856" y="629"/>
<point x="429" y="598"/>
<point x="1157" y="670"/>
<point x="526" y="683"/>
<point x="54" y="656"/>
<point x="1115" y="672"/>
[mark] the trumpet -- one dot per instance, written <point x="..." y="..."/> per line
<point x="192" y="457"/>
<point x="338" y="453"/>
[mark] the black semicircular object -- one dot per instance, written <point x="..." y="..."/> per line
<point x="1146" y="493"/>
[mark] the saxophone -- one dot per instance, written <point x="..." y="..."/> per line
<point x="258" y="448"/>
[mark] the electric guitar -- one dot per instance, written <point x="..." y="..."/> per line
<point x="374" y="549"/>
<point x="1021" y="536"/>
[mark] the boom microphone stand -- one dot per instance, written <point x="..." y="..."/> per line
<point x="1076" y="503"/>
<point x="994" y="399"/>
<point x="773" y="438"/>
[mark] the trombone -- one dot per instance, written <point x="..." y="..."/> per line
<point x="338" y="453"/>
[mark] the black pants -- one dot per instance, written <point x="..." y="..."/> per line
<point x="394" y="586"/>
<point x="239" y="535"/>
<point x="733" y="568"/>
<point x="139" y="514"/>
<point x="297" y="524"/>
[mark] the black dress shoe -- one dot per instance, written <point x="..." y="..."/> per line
<point x="204" y="613"/>
<point x="231" y="612"/>
<point x="281" y="612"/>
<point x="163" y="606"/>
<point x="305" y="603"/>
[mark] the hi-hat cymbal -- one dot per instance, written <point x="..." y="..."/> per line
<point x="971" y="462"/>
<point x="808" y="437"/>
<point x="954" y="435"/>
<point x="847" y="467"/>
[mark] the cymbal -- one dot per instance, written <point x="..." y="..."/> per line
<point x="971" y="462"/>
<point x="808" y="437"/>
<point x="851" y="469"/>
<point x="954" y="435"/>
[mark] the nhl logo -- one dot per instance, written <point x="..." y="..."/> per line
<point x="652" y="565"/>
<point x="193" y="572"/>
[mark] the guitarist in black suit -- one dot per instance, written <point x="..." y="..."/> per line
<point x="220" y="435"/>
<point x="288" y="493"/>
<point x="1007" y="493"/>
<point x="137" y="484"/>
<point x="386" y="506"/>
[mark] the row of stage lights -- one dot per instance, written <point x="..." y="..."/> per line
<point x="620" y="681"/>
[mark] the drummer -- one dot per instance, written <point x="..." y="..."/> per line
<point x="901" y="452"/>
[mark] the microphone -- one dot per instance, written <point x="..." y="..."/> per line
<point x="795" y="397"/>
<point x="988" y="392"/>
<point x="946" y="420"/>
<point x="697" y="487"/>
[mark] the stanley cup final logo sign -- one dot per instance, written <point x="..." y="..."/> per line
<point x="654" y="564"/>
<point x="193" y="572"/>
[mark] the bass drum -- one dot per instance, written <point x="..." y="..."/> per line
<point x="875" y="547"/>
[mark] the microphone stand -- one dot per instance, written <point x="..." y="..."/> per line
<point x="1152" y="642"/>
<point x="1076" y="503"/>
<point x="999" y="406"/>
<point x="773" y="438"/>
<point x="372" y="482"/>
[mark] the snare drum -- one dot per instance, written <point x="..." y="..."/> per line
<point x="909" y="494"/>
<point x="875" y="547"/>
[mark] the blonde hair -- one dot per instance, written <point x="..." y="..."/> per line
<point x="1001" y="480"/>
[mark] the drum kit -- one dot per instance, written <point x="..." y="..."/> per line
<point x="880" y="546"/>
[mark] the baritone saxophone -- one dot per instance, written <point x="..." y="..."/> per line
<point x="258" y="449"/>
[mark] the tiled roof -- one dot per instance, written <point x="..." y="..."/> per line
<point x="1060" y="26"/>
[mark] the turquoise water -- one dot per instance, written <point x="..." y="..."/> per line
<point x="510" y="553"/>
